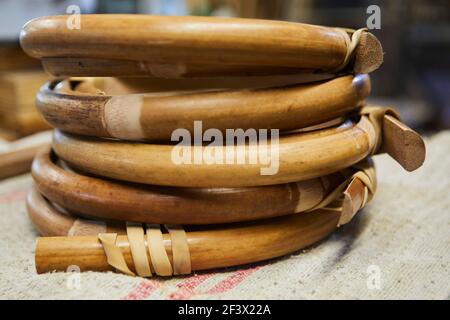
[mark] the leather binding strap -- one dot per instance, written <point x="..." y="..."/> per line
<point x="158" y="254"/>
<point x="358" y="192"/>
<point x="159" y="258"/>
<point x="113" y="253"/>
<point x="135" y="235"/>
<point x="375" y="116"/>
<point x="352" y="43"/>
<point x="354" y="193"/>
<point x="180" y="250"/>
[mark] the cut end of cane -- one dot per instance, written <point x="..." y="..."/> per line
<point x="353" y="201"/>
<point x="368" y="54"/>
<point x="39" y="261"/>
<point x="403" y="144"/>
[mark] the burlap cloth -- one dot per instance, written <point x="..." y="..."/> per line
<point x="398" y="247"/>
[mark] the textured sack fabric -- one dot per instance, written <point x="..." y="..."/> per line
<point x="398" y="247"/>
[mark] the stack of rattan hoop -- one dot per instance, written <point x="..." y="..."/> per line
<point x="109" y="195"/>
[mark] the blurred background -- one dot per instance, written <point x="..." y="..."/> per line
<point x="415" y="34"/>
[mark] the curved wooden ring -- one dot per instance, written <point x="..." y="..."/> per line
<point x="111" y="200"/>
<point x="210" y="247"/>
<point x="135" y="85"/>
<point x="296" y="157"/>
<point x="53" y="221"/>
<point x="175" y="47"/>
<point x="89" y="67"/>
<point x="153" y="116"/>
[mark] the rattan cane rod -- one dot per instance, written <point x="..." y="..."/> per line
<point x="52" y="221"/>
<point x="205" y="247"/>
<point x="112" y="200"/>
<point x="210" y="247"/>
<point x="136" y="85"/>
<point x="155" y="116"/>
<point x="300" y="156"/>
<point x="176" y="47"/>
<point x="199" y="248"/>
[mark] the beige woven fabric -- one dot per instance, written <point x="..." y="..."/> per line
<point x="398" y="247"/>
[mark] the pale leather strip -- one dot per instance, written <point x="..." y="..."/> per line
<point x="366" y="175"/>
<point x="310" y="194"/>
<point x="136" y="238"/>
<point x="113" y="253"/>
<point x="375" y="115"/>
<point x="160" y="259"/>
<point x="181" y="256"/>
<point x="366" y="125"/>
<point x="355" y="196"/>
<point x="359" y="191"/>
<point x="122" y="117"/>
<point x="352" y="44"/>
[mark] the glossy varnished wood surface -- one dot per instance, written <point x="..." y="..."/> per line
<point x="176" y="47"/>
<point x="52" y="221"/>
<point x="157" y="116"/>
<point x="301" y="156"/>
<point x="114" y="200"/>
<point x="210" y="247"/>
<point x="19" y="154"/>
<point x="18" y="161"/>
<point x="403" y="144"/>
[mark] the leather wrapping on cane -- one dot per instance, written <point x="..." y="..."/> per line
<point x="159" y="260"/>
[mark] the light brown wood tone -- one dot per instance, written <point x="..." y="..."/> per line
<point x="12" y="58"/>
<point x="210" y="247"/>
<point x="176" y="47"/>
<point x="17" y="101"/>
<point x="132" y="85"/>
<point x="7" y="135"/>
<point x="403" y="144"/>
<point x="16" y="162"/>
<point x="353" y="200"/>
<point x="368" y="57"/>
<point x="26" y="123"/>
<point x="112" y="200"/>
<point x="322" y="152"/>
<point x="154" y="117"/>
<point x="51" y="221"/>
<point x="89" y="67"/>
<point x="19" y="161"/>
<point x="301" y="156"/>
